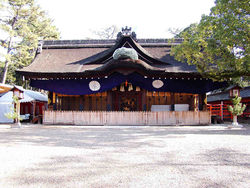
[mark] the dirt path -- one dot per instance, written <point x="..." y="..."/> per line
<point x="124" y="157"/>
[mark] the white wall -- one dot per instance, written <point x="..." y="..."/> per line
<point x="5" y="107"/>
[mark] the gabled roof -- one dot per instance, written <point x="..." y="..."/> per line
<point x="6" y="97"/>
<point x="29" y="96"/>
<point x="18" y="87"/>
<point x="83" y="57"/>
<point x="244" y="93"/>
<point x="5" y="87"/>
<point x="224" y="96"/>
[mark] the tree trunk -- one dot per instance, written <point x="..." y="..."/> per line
<point x="5" y="71"/>
<point x="18" y="107"/>
<point x="235" y="123"/>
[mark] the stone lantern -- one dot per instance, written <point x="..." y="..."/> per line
<point x="234" y="91"/>
<point x="18" y="92"/>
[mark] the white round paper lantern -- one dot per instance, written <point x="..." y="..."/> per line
<point x="157" y="84"/>
<point x="94" y="85"/>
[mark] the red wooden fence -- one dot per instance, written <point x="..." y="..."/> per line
<point x="220" y="110"/>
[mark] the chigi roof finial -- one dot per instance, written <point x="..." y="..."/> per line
<point x="39" y="47"/>
<point x="126" y="31"/>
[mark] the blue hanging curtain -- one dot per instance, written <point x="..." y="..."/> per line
<point x="81" y="86"/>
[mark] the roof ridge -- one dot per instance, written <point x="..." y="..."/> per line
<point x="98" y="42"/>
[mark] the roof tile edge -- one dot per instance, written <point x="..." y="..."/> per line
<point x="105" y="43"/>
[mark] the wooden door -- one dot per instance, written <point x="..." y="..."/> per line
<point x="127" y="101"/>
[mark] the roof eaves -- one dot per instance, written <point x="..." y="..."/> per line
<point x="94" y="43"/>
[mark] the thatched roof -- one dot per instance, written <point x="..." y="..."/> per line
<point x="80" y="57"/>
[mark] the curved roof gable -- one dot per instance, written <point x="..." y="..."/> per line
<point x="81" y="58"/>
<point x="124" y="41"/>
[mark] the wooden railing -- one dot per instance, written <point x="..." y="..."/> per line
<point x="220" y="110"/>
<point x="126" y="118"/>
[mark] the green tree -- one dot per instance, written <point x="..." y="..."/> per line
<point x="191" y="29"/>
<point x="15" y="112"/>
<point x="237" y="109"/>
<point x="219" y="44"/>
<point x="22" y="24"/>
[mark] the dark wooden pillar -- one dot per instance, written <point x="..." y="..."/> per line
<point x="203" y="102"/>
<point x="116" y="101"/>
<point x="196" y="102"/>
<point x="172" y="100"/>
<point x="110" y="101"/>
<point x="34" y="109"/>
<point x="143" y="96"/>
<point x="90" y="103"/>
<point x="54" y="101"/>
<point x="139" y="99"/>
<point x="165" y="98"/>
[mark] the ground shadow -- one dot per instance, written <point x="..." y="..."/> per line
<point x="94" y="137"/>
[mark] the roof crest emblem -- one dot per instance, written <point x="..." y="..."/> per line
<point x="126" y="31"/>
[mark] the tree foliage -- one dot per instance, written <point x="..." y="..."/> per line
<point x="219" y="44"/>
<point x="180" y="33"/>
<point x="237" y="109"/>
<point x="13" y="114"/>
<point x="23" y="24"/>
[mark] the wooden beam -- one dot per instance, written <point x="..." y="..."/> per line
<point x="172" y="99"/>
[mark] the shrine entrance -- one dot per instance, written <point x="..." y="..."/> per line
<point x="127" y="101"/>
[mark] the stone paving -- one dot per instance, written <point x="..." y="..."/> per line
<point x="66" y="156"/>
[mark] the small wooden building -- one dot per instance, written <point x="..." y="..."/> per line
<point x="32" y="104"/>
<point x="218" y="102"/>
<point x="91" y="76"/>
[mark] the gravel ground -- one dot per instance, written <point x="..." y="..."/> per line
<point x="49" y="156"/>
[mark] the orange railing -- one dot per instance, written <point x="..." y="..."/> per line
<point x="222" y="111"/>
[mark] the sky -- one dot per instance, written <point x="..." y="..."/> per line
<point x="77" y="19"/>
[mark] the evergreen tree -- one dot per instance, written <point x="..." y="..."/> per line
<point x="22" y="24"/>
<point x="237" y="109"/>
<point x="219" y="44"/>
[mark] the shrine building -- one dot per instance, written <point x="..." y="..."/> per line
<point x="94" y="81"/>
